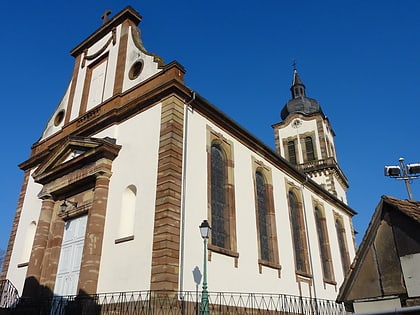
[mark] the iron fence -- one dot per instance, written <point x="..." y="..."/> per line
<point x="176" y="303"/>
<point x="8" y="294"/>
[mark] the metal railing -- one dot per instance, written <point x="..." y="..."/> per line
<point x="317" y="165"/>
<point x="179" y="303"/>
<point x="8" y="294"/>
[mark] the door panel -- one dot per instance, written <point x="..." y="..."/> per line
<point x="70" y="257"/>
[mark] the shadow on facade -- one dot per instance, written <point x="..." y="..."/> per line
<point x="39" y="299"/>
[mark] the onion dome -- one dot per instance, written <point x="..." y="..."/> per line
<point x="299" y="103"/>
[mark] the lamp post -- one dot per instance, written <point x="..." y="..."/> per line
<point x="205" y="232"/>
<point x="409" y="172"/>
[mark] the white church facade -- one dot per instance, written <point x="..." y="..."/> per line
<point x="131" y="162"/>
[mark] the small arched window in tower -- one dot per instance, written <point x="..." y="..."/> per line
<point x="127" y="213"/>
<point x="310" y="154"/>
<point x="341" y="237"/>
<point x="291" y="149"/>
<point x="298" y="234"/>
<point x="219" y="208"/>
<point x="324" y="245"/>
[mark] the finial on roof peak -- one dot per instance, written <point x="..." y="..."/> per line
<point x="105" y="16"/>
<point x="294" y="65"/>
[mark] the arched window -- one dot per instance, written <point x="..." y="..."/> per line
<point x="310" y="154"/>
<point x="268" y="253"/>
<point x="298" y="234"/>
<point x="291" y="149"/>
<point x="341" y="237"/>
<point x="219" y="206"/>
<point x="324" y="246"/>
<point x="29" y="239"/>
<point x="221" y="195"/>
<point x="127" y="213"/>
<point x="263" y="220"/>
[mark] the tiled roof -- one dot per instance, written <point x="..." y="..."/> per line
<point x="410" y="208"/>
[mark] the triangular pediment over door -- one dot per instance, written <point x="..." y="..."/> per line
<point x="76" y="159"/>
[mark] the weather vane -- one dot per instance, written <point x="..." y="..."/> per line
<point x="294" y="64"/>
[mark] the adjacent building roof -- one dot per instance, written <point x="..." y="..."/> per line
<point x="376" y="270"/>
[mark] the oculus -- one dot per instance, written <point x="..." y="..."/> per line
<point x="135" y="70"/>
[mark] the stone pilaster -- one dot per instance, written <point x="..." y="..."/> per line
<point x="89" y="270"/>
<point x="52" y="254"/>
<point x="33" y="276"/>
<point x="166" y="234"/>
<point x="16" y="220"/>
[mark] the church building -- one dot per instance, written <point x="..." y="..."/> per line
<point x="132" y="161"/>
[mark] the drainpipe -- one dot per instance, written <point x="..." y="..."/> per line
<point x="188" y="108"/>
<point x="309" y="243"/>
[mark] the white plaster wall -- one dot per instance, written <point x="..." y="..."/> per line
<point x="375" y="307"/>
<point x="51" y="129"/>
<point x="341" y="193"/>
<point x="150" y="67"/>
<point x="222" y="275"/>
<point x="30" y="212"/>
<point x="410" y="266"/>
<point x="126" y="266"/>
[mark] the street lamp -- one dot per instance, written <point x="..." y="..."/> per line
<point x="205" y="232"/>
<point x="409" y="172"/>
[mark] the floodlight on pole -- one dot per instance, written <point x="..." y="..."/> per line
<point x="404" y="172"/>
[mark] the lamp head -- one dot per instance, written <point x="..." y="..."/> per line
<point x="63" y="206"/>
<point x="413" y="168"/>
<point x="205" y="229"/>
<point x="392" y="171"/>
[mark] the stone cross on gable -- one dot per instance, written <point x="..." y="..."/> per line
<point x="105" y="16"/>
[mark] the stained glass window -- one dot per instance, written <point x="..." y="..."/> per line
<point x="262" y="210"/>
<point x="323" y="244"/>
<point x="345" y="260"/>
<point x="298" y="234"/>
<point x="218" y="196"/>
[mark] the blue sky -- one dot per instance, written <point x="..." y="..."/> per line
<point x="359" y="59"/>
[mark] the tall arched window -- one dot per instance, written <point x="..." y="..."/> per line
<point x="219" y="206"/>
<point x="221" y="195"/>
<point x="341" y="237"/>
<point x="127" y="212"/>
<point x="263" y="221"/>
<point x="298" y="234"/>
<point x="324" y="246"/>
<point x="310" y="154"/>
<point x="291" y="149"/>
<point x="268" y="252"/>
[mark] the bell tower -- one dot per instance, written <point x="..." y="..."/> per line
<point x="305" y="138"/>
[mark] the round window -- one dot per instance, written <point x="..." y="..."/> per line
<point x="59" y="118"/>
<point x="135" y="70"/>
